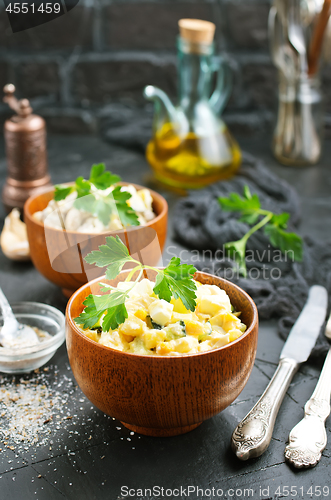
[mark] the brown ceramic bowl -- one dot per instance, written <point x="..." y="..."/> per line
<point x="161" y="395"/>
<point x="58" y="255"/>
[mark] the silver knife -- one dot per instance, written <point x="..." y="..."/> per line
<point x="308" y="438"/>
<point x="253" y="434"/>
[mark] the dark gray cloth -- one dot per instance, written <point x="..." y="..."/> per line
<point x="278" y="285"/>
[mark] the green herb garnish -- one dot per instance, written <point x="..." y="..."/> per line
<point x="176" y="280"/>
<point x="274" y="227"/>
<point x="97" y="204"/>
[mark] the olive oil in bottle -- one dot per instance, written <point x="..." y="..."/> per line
<point x="191" y="146"/>
<point x="192" y="162"/>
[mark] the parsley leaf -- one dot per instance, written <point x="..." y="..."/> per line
<point x="288" y="243"/>
<point x="82" y="187"/>
<point x="115" y="316"/>
<point x="101" y="178"/>
<point x="177" y="280"/>
<point x="103" y="210"/>
<point x="126" y="214"/>
<point x="274" y="227"/>
<point x="250" y="219"/>
<point x="100" y="206"/>
<point x="237" y="251"/>
<point x="112" y="305"/>
<point x="280" y="220"/>
<point x="86" y="203"/>
<point x="237" y="203"/>
<point x="95" y="206"/>
<point x="61" y="192"/>
<point x="113" y="255"/>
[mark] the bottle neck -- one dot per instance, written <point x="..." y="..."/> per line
<point x="194" y="72"/>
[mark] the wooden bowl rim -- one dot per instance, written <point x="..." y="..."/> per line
<point x="154" y="194"/>
<point x="74" y="327"/>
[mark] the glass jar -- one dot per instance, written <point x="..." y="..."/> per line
<point x="298" y="133"/>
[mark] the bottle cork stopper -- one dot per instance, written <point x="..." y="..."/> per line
<point x="196" y="30"/>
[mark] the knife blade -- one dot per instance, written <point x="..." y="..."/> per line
<point x="253" y="434"/>
<point x="305" y="330"/>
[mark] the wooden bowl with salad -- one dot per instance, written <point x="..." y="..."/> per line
<point x="69" y="221"/>
<point x="160" y="349"/>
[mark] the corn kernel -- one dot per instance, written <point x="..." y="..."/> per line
<point x="141" y="314"/>
<point x="152" y="338"/>
<point x="127" y="338"/>
<point x="163" y="348"/>
<point x="179" y="306"/>
<point x="226" y="320"/>
<point x="234" y="334"/>
<point x="193" y="327"/>
<point x="92" y="335"/>
<point x="132" y="327"/>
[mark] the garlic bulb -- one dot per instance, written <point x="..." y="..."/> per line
<point x="13" y="240"/>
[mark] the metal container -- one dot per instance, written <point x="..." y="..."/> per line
<point x="296" y="31"/>
<point x="298" y="134"/>
<point x="25" y="138"/>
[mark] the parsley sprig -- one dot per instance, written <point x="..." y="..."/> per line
<point x="175" y="280"/>
<point x="97" y="204"/>
<point x="274" y="227"/>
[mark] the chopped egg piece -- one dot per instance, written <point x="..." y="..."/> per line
<point x="161" y="311"/>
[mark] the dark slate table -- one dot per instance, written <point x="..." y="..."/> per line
<point x="95" y="457"/>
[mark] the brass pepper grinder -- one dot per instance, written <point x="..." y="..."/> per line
<point x="25" y="137"/>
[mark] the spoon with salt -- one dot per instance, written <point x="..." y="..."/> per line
<point x="13" y="334"/>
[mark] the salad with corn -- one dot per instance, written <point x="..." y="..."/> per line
<point x="157" y="327"/>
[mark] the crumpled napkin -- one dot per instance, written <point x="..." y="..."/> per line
<point x="278" y="285"/>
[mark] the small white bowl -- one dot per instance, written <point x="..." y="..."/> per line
<point x="27" y="359"/>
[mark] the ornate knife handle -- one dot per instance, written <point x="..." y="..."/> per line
<point x="253" y="434"/>
<point x="308" y="439"/>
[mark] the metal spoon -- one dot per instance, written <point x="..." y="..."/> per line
<point x="13" y="334"/>
<point x="308" y="438"/>
<point x="282" y="53"/>
<point x="296" y="34"/>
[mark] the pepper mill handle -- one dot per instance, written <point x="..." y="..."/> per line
<point x="9" y="97"/>
<point x="21" y="107"/>
<point x="9" y="89"/>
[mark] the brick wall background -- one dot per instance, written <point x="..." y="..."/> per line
<point x="85" y="71"/>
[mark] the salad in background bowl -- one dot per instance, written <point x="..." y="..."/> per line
<point x="100" y="206"/>
<point x="97" y="205"/>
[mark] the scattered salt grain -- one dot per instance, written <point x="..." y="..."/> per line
<point x="28" y="405"/>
